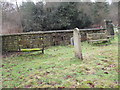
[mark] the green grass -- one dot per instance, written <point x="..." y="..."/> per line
<point x="58" y="68"/>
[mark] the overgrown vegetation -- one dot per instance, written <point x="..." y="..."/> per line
<point x="58" y="68"/>
<point x="30" y="16"/>
<point x="64" y="16"/>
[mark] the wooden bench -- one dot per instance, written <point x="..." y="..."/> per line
<point x="97" y="38"/>
<point x="32" y="49"/>
<point x="31" y="45"/>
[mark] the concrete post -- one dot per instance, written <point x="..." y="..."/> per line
<point x="77" y="43"/>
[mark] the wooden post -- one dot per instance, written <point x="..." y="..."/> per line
<point x="77" y="43"/>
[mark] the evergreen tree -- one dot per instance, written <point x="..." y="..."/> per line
<point x="67" y="16"/>
<point x="100" y="12"/>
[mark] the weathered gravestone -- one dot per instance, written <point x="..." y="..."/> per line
<point x="72" y="41"/>
<point x="109" y="27"/>
<point x="77" y="43"/>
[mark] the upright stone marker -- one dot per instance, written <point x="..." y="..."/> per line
<point x="77" y="43"/>
<point x="109" y="26"/>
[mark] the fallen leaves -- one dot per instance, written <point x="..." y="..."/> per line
<point x="103" y="68"/>
<point x="112" y="65"/>
<point x="105" y="72"/>
<point x="61" y="87"/>
<point x="68" y="76"/>
<point x="60" y="69"/>
<point x="91" y="85"/>
<point x="99" y="64"/>
<point x="104" y="60"/>
<point x="28" y="86"/>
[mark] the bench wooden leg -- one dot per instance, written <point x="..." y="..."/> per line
<point x="43" y="51"/>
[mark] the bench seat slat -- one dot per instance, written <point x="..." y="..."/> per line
<point x="31" y="49"/>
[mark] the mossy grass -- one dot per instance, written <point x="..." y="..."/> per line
<point x="59" y="68"/>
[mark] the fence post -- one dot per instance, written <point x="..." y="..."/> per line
<point x="77" y="43"/>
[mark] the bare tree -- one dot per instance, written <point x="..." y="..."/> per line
<point x="19" y="16"/>
<point x="10" y="18"/>
<point x="113" y="14"/>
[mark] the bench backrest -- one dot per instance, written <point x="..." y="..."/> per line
<point x="31" y="42"/>
<point x="96" y="36"/>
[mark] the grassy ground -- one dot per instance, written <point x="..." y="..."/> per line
<point x="58" y="68"/>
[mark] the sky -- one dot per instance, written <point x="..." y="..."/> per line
<point x="20" y="1"/>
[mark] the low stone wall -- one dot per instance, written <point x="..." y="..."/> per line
<point x="14" y="42"/>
